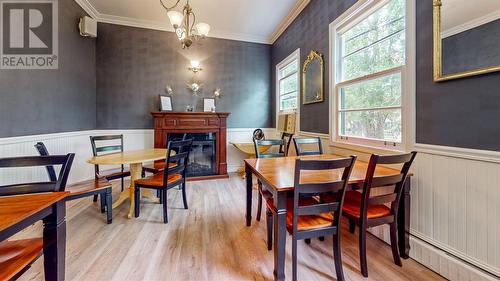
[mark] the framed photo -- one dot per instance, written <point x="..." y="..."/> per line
<point x="208" y="105"/>
<point x="165" y="103"/>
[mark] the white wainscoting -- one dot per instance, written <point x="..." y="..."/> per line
<point x="79" y="143"/>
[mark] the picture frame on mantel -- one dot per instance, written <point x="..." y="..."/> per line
<point x="166" y="103"/>
<point x="208" y="105"/>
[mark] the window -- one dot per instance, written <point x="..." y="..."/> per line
<point x="287" y="73"/>
<point x="369" y="57"/>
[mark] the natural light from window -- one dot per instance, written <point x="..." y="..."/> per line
<point x="288" y="83"/>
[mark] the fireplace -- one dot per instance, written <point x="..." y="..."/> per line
<point x="207" y="159"/>
<point x="202" y="158"/>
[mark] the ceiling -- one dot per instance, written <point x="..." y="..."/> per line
<point x="246" y="20"/>
<point x="461" y="15"/>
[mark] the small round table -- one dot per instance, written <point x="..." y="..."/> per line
<point x="134" y="159"/>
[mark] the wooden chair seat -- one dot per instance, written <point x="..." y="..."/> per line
<point x="156" y="180"/>
<point x="158" y="167"/>
<point x="88" y="186"/>
<point x="113" y="174"/>
<point x="352" y="207"/>
<point x="16" y="255"/>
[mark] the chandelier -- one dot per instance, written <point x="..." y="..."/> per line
<point x="184" y="24"/>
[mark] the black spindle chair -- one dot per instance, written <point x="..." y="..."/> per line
<point x="300" y="143"/>
<point x="174" y="176"/>
<point x="287" y="139"/>
<point x="97" y="186"/>
<point x="308" y="217"/>
<point x="366" y="211"/>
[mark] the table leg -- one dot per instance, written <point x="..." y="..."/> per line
<point x="279" y="226"/>
<point x="404" y="221"/>
<point x="54" y="242"/>
<point x="248" y="175"/>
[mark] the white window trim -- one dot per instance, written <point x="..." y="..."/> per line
<point x="293" y="56"/>
<point x="408" y="75"/>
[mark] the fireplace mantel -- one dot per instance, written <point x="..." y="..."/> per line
<point x="194" y="122"/>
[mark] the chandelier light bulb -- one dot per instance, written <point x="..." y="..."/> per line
<point x="175" y="18"/>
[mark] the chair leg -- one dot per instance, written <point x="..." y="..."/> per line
<point x="123" y="183"/>
<point x="165" y="212"/>
<point x="137" y="199"/>
<point x="394" y="244"/>
<point x="259" y="207"/>
<point x="352" y="226"/>
<point x="158" y="194"/>
<point x="337" y="254"/>
<point x="308" y="241"/>
<point x="103" y="203"/>
<point x="269" y="224"/>
<point x="322" y="238"/>
<point x="294" y="259"/>
<point x="95" y="198"/>
<point x="184" y="198"/>
<point x="109" y="206"/>
<point x="362" y="251"/>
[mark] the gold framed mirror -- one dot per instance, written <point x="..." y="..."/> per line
<point x="313" y="78"/>
<point x="464" y="38"/>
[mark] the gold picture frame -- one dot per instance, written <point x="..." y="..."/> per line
<point x="438" y="55"/>
<point x="313" y="55"/>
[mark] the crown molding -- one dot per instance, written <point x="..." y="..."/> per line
<point x="162" y="26"/>
<point x="88" y="8"/>
<point x="471" y="24"/>
<point x="294" y="13"/>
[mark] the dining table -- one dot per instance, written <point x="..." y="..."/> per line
<point x="20" y="211"/>
<point x="135" y="159"/>
<point x="277" y="176"/>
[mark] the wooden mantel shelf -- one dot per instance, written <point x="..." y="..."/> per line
<point x="194" y="122"/>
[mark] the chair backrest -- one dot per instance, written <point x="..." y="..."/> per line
<point x="301" y="142"/>
<point x="260" y="143"/>
<point x="107" y="148"/>
<point x="42" y="150"/>
<point x="341" y="169"/>
<point x="287" y="138"/>
<point x="181" y="158"/>
<point x="258" y="134"/>
<point x="397" y="180"/>
<point x="59" y="184"/>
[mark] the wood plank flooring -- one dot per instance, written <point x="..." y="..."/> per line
<point x="207" y="242"/>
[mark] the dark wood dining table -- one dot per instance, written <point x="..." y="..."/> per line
<point x="20" y="211"/>
<point x="277" y="176"/>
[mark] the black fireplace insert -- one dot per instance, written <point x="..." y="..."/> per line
<point x="202" y="158"/>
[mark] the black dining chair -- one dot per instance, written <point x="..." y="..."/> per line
<point x="98" y="148"/>
<point x="93" y="187"/>
<point x="303" y="146"/>
<point x="308" y="217"/>
<point x="17" y="256"/>
<point x="58" y="183"/>
<point x="365" y="211"/>
<point x="174" y="176"/>
<point x="287" y="139"/>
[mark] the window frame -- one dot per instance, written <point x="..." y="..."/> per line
<point x="357" y="13"/>
<point x="294" y="56"/>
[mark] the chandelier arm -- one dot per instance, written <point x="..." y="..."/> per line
<point x="169" y="8"/>
<point x="194" y="21"/>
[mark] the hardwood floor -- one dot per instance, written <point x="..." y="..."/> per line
<point x="207" y="242"/>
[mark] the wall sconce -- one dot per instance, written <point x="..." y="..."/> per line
<point x="195" y="66"/>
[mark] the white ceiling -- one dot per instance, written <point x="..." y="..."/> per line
<point x="247" y="20"/>
<point x="460" y="15"/>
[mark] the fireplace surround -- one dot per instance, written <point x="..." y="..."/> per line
<point x="208" y="159"/>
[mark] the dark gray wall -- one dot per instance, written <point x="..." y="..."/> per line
<point x="134" y="65"/>
<point x="460" y="113"/>
<point x="310" y="31"/>
<point x="472" y="49"/>
<point x="50" y="101"/>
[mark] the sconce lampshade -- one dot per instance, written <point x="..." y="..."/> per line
<point x="175" y="18"/>
<point x="203" y="28"/>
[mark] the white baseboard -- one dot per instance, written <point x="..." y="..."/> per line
<point x="445" y="264"/>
